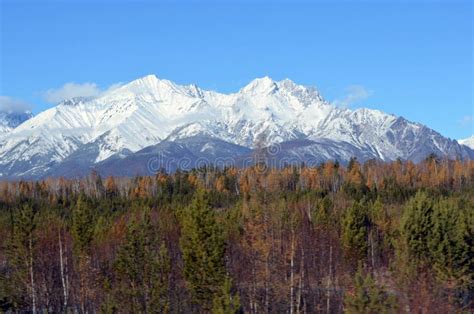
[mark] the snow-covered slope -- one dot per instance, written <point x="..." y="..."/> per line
<point x="82" y="132"/>
<point x="469" y="142"/>
<point x="10" y="120"/>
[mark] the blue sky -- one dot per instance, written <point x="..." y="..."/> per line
<point x="409" y="58"/>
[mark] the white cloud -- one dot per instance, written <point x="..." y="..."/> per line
<point x="71" y="90"/>
<point x="9" y="104"/>
<point x="112" y="87"/>
<point x="467" y="121"/>
<point x="354" y="94"/>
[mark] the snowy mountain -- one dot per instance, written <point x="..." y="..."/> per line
<point x="10" y="120"/>
<point x="469" y="142"/>
<point x="121" y="128"/>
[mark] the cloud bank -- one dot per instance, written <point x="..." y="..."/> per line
<point x="354" y="94"/>
<point x="72" y="90"/>
<point x="10" y="104"/>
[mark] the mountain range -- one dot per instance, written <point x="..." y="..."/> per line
<point x="468" y="142"/>
<point x="10" y="119"/>
<point x="151" y="123"/>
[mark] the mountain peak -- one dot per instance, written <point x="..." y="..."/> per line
<point x="260" y="85"/>
<point x="307" y="94"/>
<point x="149" y="84"/>
<point x="289" y="85"/>
<point x="147" y="80"/>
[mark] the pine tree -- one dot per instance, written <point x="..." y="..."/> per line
<point x="82" y="226"/>
<point x="416" y="227"/>
<point x="21" y="257"/>
<point x="450" y="242"/>
<point x="142" y="270"/>
<point x="83" y="232"/>
<point x="368" y="297"/>
<point x="203" y="247"/>
<point x="227" y="302"/>
<point x="355" y="225"/>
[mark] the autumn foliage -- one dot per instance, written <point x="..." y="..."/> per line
<point x="363" y="238"/>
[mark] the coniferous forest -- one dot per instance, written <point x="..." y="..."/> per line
<point x="363" y="238"/>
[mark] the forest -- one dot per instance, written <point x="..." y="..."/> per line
<point x="372" y="237"/>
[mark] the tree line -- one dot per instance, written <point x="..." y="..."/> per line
<point x="369" y="237"/>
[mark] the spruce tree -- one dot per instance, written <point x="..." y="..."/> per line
<point x="83" y="233"/>
<point x="142" y="269"/>
<point x="82" y="226"/>
<point x="227" y="302"/>
<point x="450" y="243"/>
<point x="203" y="247"/>
<point x="416" y="228"/>
<point x="21" y="258"/>
<point x="368" y="297"/>
<point x="355" y="225"/>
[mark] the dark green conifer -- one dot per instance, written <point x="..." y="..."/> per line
<point x="20" y="281"/>
<point x="227" y="302"/>
<point x="416" y="227"/>
<point x="355" y="226"/>
<point x="142" y="269"/>
<point x="203" y="247"/>
<point x="82" y="226"/>
<point x="450" y="242"/>
<point x="368" y="297"/>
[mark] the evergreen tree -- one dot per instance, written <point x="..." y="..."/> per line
<point x="227" y="302"/>
<point x="82" y="226"/>
<point x="416" y="227"/>
<point x="368" y="297"/>
<point x="21" y="257"/>
<point x="83" y="233"/>
<point x="203" y="247"/>
<point x="450" y="242"/>
<point x="142" y="270"/>
<point x="355" y="225"/>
